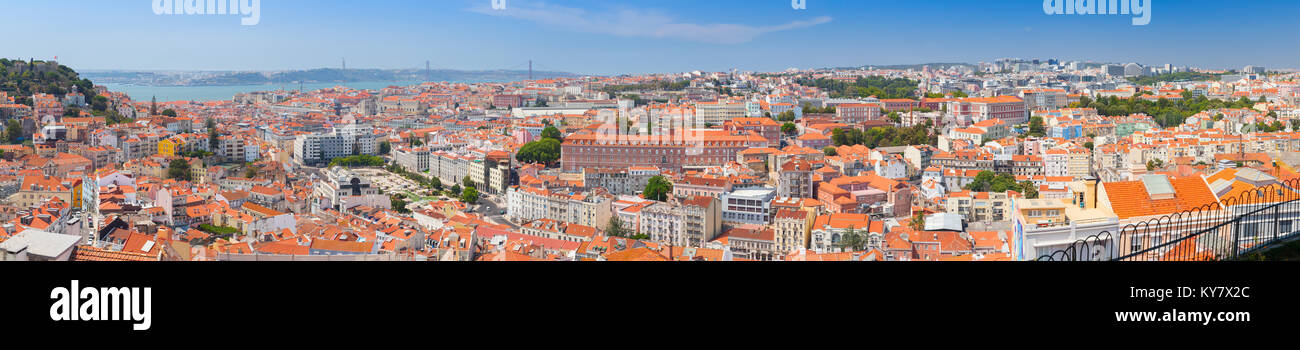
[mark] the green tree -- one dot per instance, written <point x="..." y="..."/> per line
<point x="179" y="169"/>
<point x="398" y="202"/>
<point x="1154" y="164"/>
<point x="1180" y="76"/>
<point x="469" y="196"/>
<point x="658" y="189"/>
<point x="988" y="181"/>
<point x="436" y="183"/>
<point x="1029" y="189"/>
<point x="881" y="87"/>
<point x="544" y="151"/>
<point x="385" y="147"/>
<point x="614" y="228"/>
<point x="469" y="182"/>
<point x="1089" y="145"/>
<point x="854" y="240"/>
<point x="550" y="132"/>
<point x="169" y="112"/>
<point x="14" y="132"/>
<point x="918" y="222"/>
<point x="358" y="161"/>
<point x="789" y="128"/>
<point x="1036" y="127"/>
<point x="455" y="189"/>
<point x="213" y="139"/>
<point x="1167" y="113"/>
<point x="830" y="151"/>
<point x="787" y="116"/>
<point x="99" y="103"/>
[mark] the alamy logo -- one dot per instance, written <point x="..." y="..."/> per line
<point x="250" y="9"/>
<point x="1140" y="9"/>
<point x="102" y="304"/>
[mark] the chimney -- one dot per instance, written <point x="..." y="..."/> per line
<point x="1090" y="194"/>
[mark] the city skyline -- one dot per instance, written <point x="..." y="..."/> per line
<point x="631" y="37"/>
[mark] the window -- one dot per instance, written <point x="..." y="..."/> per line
<point x="1249" y="230"/>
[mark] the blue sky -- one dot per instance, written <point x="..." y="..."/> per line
<point x="614" y="37"/>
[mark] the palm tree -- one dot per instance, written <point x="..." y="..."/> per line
<point x="918" y="222"/>
<point x="853" y="240"/>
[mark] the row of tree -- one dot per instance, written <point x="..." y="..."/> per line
<point x="659" y="85"/>
<point x="988" y="181"/>
<point x="886" y="136"/>
<point x="1167" y="113"/>
<point x="362" y="160"/>
<point x="1180" y="76"/>
<point x="880" y="87"/>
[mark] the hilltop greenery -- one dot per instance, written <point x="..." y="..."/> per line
<point x="1166" y="112"/>
<point x="880" y="87"/>
<point x="886" y="136"/>
<point x="21" y="85"/>
<point x="1180" y="76"/>
<point x="661" y="85"/>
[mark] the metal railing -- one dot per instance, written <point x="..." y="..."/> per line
<point x="1232" y="228"/>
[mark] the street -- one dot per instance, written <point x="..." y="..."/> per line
<point x="492" y="210"/>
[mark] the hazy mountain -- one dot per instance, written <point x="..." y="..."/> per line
<point x="322" y="75"/>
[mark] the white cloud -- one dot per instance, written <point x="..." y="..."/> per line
<point x="640" y="23"/>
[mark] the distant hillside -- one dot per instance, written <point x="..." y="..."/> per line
<point x="322" y="75"/>
<point x="22" y="79"/>
<point x="1174" y="77"/>
<point x="914" y="66"/>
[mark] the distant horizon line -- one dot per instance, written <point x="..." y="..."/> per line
<point x="130" y="70"/>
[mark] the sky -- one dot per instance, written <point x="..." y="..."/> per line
<point x="610" y="37"/>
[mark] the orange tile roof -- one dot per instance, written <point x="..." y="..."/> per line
<point x="1130" y="199"/>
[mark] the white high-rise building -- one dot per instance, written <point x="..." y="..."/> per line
<point x="351" y="139"/>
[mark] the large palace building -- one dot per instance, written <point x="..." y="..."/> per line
<point x="689" y="149"/>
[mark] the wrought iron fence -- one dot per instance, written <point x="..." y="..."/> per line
<point x="1243" y="222"/>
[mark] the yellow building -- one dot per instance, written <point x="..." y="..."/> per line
<point x="36" y="190"/>
<point x="169" y="147"/>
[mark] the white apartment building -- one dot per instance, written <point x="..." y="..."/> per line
<point x="415" y="160"/>
<point x="318" y="149"/>
<point x="1056" y="163"/>
<point x="716" y="113"/>
<point x="750" y="206"/>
